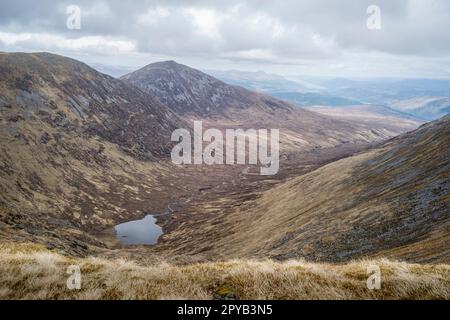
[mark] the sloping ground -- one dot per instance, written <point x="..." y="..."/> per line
<point x="188" y="91"/>
<point x="72" y="97"/>
<point x="53" y="193"/>
<point x="193" y="94"/>
<point x="391" y="201"/>
<point x="79" y="150"/>
<point x="31" y="272"/>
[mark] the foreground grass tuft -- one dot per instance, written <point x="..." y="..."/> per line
<point x="32" y="272"/>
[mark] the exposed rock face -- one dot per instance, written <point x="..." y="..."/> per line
<point x="188" y="91"/>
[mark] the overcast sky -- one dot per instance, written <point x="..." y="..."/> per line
<point x="297" y="37"/>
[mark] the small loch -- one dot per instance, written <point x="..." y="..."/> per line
<point x="144" y="231"/>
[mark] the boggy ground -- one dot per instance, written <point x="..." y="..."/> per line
<point x="70" y="198"/>
<point x="205" y="195"/>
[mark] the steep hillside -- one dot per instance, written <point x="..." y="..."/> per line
<point x="72" y="150"/>
<point x="188" y="91"/>
<point x="391" y="201"/>
<point x="70" y="95"/>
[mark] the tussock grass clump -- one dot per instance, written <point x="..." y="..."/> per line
<point x="32" y="272"/>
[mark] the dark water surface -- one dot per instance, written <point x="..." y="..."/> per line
<point x="144" y="231"/>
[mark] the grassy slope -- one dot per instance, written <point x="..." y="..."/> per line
<point x="390" y="201"/>
<point x="29" y="271"/>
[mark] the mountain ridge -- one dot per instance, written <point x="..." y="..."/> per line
<point x="190" y="91"/>
<point x="192" y="94"/>
<point x="88" y="100"/>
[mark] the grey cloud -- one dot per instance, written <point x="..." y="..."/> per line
<point x="269" y="31"/>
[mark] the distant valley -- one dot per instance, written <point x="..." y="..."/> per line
<point x="425" y="99"/>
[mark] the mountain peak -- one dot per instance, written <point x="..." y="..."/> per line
<point x="190" y="91"/>
<point x="168" y="65"/>
<point x="158" y="70"/>
<point x="168" y="62"/>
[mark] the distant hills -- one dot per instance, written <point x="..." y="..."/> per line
<point x="373" y="115"/>
<point x="193" y="94"/>
<point x="426" y="99"/>
<point x="258" y="81"/>
<point x="388" y="89"/>
<point x="427" y="108"/>
<point x="113" y="71"/>
<point x="188" y="91"/>
<point x="302" y="94"/>
<point x="314" y="99"/>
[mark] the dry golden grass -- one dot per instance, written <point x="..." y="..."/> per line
<point x="29" y="271"/>
<point x="391" y="201"/>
